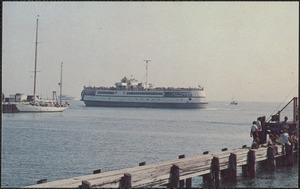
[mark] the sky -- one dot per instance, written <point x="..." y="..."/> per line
<point x="244" y="51"/>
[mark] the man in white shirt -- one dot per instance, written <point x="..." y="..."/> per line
<point x="254" y="131"/>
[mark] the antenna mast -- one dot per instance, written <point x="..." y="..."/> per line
<point x="147" y="61"/>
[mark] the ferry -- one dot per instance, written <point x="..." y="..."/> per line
<point x="130" y="93"/>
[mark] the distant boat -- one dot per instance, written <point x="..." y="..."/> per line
<point x="233" y="103"/>
<point x="37" y="105"/>
<point x="65" y="97"/>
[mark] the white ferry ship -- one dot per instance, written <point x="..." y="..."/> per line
<point x="130" y="93"/>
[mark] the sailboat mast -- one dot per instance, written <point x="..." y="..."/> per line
<point x="60" y="98"/>
<point x="35" y="65"/>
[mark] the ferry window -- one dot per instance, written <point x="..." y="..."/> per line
<point x="92" y="92"/>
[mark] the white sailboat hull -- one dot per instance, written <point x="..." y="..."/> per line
<point x="32" y="108"/>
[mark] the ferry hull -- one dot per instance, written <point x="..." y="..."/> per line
<point x="144" y="104"/>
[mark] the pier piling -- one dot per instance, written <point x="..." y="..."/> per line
<point x="245" y="170"/>
<point x="85" y="184"/>
<point x="126" y="181"/>
<point x="251" y="163"/>
<point x="188" y="183"/>
<point x="216" y="171"/>
<point x="233" y="167"/>
<point x="289" y="155"/>
<point x="271" y="161"/>
<point x="174" y="177"/>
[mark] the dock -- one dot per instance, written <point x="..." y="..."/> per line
<point x="212" y="167"/>
<point x="179" y="173"/>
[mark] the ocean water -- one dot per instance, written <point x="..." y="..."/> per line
<point x="82" y="139"/>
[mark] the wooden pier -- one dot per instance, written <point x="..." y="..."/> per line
<point x="211" y="166"/>
<point x="179" y="173"/>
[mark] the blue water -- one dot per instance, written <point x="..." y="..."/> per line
<point x="82" y="139"/>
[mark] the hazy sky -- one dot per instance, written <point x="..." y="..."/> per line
<point x="242" y="50"/>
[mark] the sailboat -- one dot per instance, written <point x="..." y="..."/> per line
<point x="38" y="105"/>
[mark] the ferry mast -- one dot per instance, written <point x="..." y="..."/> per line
<point x="147" y="61"/>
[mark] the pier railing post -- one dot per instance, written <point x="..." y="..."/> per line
<point x="125" y="181"/>
<point x="251" y="163"/>
<point x="41" y="181"/>
<point x="233" y="167"/>
<point x="97" y="171"/>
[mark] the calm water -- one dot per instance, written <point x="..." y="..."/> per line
<point x="82" y="139"/>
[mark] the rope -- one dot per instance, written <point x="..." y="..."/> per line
<point x="283" y="101"/>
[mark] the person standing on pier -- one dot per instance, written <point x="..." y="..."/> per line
<point x="285" y="125"/>
<point x="285" y="140"/>
<point x="254" y="131"/>
<point x="293" y="139"/>
<point x="259" y="127"/>
<point x="272" y="143"/>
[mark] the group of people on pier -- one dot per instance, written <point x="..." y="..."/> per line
<point x="287" y="136"/>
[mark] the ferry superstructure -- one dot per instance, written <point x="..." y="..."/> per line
<point x="130" y="93"/>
